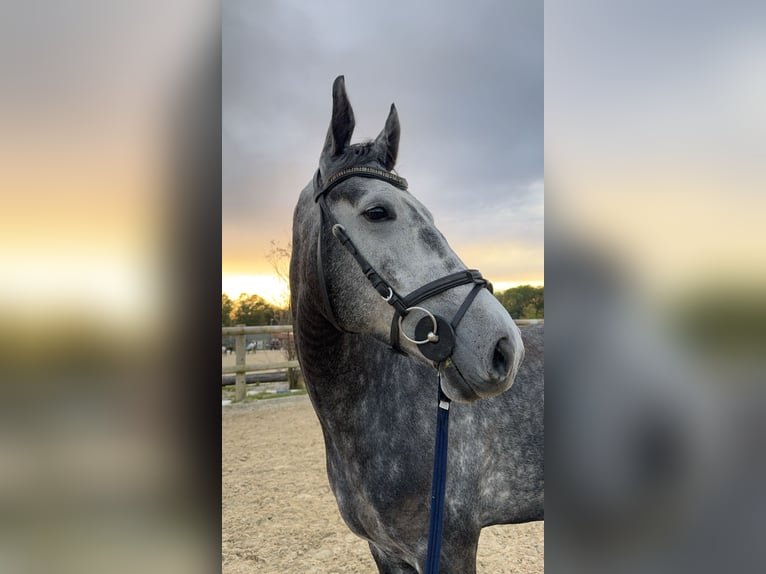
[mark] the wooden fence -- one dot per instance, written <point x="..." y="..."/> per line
<point x="240" y="367"/>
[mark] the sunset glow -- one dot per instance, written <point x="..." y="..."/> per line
<point x="270" y="287"/>
<point x="503" y="285"/>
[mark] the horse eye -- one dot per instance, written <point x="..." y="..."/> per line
<point x="376" y="213"/>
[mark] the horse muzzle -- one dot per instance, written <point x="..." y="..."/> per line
<point x="484" y="361"/>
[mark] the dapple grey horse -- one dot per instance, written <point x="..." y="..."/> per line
<point x="377" y="407"/>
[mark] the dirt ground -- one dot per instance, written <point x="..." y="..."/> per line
<point x="279" y="515"/>
<point x="254" y="357"/>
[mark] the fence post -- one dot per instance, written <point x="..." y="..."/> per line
<point x="240" y="377"/>
<point x="294" y="381"/>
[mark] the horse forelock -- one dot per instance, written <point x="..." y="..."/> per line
<point x="362" y="154"/>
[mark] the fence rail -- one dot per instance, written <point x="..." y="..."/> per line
<point x="241" y="368"/>
<point x="256" y="329"/>
<point x="250" y="368"/>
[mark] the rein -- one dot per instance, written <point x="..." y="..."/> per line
<point x="438" y="482"/>
<point x="434" y="335"/>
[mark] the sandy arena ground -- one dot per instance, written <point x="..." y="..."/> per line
<point x="255" y="357"/>
<point x="279" y="515"/>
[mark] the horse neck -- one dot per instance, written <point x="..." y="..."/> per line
<point x="346" y="373"/>
<point x="318" y="341"/>
<point x="328" y="364"/>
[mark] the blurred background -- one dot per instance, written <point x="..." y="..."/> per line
<point x="109" y="223"/>
<point x="656" y="331"/>
<point x="110" y="143"/>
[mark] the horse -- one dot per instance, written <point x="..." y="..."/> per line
<point x="360" y="238"/>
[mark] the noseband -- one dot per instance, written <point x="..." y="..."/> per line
<point x="434" y="335"/>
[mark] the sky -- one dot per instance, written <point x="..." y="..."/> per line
<point x="86" y="156"/>
<point x="467" y="80"/>
<point x="654" y="136"/>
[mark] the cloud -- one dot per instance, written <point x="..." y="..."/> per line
<point x="467" y="81"/>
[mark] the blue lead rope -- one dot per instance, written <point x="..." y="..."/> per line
<point x="438" y="483"/>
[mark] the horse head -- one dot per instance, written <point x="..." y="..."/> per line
<point x="381" y="224"/>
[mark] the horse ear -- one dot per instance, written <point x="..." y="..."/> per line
<point x="388" y="140"/>
<point x="342" y="122"/>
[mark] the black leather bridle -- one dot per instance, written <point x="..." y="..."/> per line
<point x="434" y="335"/>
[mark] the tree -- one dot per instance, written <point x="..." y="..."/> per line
<point x="523" y="302"/>
<point x="279" y="258"/>
<point x="227" y="306"/>
<point x="252" y="310"/>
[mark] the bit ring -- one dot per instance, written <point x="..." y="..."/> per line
<point x="432" y="336"/>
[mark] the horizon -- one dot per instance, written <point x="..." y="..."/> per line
<point x="271" y="287"/>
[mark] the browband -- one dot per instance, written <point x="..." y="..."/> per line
<point x="349" y="172"/>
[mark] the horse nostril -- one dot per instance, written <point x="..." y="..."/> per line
<point x="500" y="359"/>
